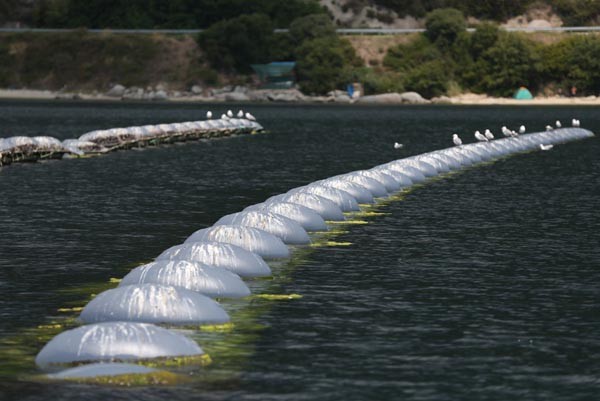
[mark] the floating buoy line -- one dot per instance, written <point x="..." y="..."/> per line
<point x="22" y="149"/>
<point x="139" y="332"/>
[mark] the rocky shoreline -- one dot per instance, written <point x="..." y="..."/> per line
<point x="230" y="94"/>
<point x="242" y="94"/>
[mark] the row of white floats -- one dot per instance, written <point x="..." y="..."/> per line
<point x="180" y="286"/>
<point x="31" y="149"/>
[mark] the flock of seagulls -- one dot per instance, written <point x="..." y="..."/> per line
<point x="229" y="115"/>
<point x="488" y="136"/>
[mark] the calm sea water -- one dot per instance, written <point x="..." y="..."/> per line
<point x="482" y="285"/>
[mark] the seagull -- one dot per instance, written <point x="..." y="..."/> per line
<point x="575" y="123"/>
<point x="209" y="114"/>
<point x="398" y="145"/>
<point x="250" y="117"/>
<point x="513" y="133"/>
<point x="546" y="147"/>
<point x="224" y="117"/>
<point x="456" y="140"/>
<point x="229" y="113"/>
<point x="480" y="137"/>
<point x="558" y="124"/>
<point x="549" y="128"/>
<point x="488" y="134"/>
<point x="505" y="131"/>
<point x="240" y="114"/>
<point x="522" y="129"/>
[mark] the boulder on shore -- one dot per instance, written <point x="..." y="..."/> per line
<point x="285" y="95"/>
<point x="116" y="91"/>
<point x="413" y="98"/>
<point x="393" y="98"/>
<point x="236" y="97"/>
<point x="160" y="95"/>
<point x="441" y="100"/>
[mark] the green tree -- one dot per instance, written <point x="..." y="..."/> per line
<point x="311" y="27"/>
<point x="324" y="64"/>
<point x="512" y="62"/>
<point x="236" y="43"/>
<point x="485" y="36"/>
<point x="444" y="25"/>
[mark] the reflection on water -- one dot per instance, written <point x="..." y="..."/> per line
<point x="481" y="285"/>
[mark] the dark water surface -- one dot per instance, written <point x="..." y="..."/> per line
<point x="483" y="285"/>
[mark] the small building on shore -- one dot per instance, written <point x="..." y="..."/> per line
<point x="276" y="75"/>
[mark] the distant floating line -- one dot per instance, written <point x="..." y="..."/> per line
<point x="20" y="149"/>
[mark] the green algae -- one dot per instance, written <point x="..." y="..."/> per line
<point x="159" y="378"/>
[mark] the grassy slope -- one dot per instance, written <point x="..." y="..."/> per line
<point x="91" y="61"/>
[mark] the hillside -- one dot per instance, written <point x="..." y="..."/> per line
<point x="347" y="13"/>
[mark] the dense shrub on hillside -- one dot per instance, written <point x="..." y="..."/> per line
<point x="578" y="12"/>
<point x="324" y="64"/>
<point x="497" y="10"/>
<point x="429" y="79"/>
<point x="377" y="80"/>
<point x="409" y="55"/>
<point x="176" y="14"/>
<point x="574" y="61"/>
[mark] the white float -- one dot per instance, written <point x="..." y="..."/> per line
<point x="252" y="239"/>
<point x="227" y="256"/>
<point x="323" y="207"/>
<point x="153" y="303"/>
<point x="288" y="230"/>
<point x="307" y="218"/>
<point x="208" y="280"/>
<point x="114" y="342"/>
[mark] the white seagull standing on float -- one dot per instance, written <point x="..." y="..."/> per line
<point x="522" y="129"/>
<point x="250" y="117"/>
<point x="488" y="134"/>
<point x="480" y="137"/>
<point x="224" y="117"/>
<point x="456" y="140"/>
<point x="209" y="114"/>
<point x="229" y="113"/>
<point x="505" y="131"/>
<point x="575" y="122"/>
<point x="240" y="114"/>
<point x="549" y="128"/>
<point x="558" y="124"/>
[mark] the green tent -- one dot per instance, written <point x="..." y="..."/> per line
<point x="523" y="94"/>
